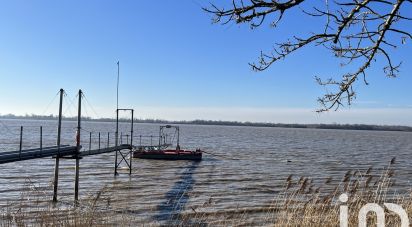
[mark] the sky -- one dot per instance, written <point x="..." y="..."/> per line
<point x="176" y="65"/>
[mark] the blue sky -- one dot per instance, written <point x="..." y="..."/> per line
<point x="175" y="64"/>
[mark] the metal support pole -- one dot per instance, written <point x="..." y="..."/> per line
<point x="131" y="145"/>
<point x="76" y="179"/>
<point x="90" y="141"/>
<point x="178" y="136"/>
<point x="41" y="138"/>
<point x="117" y="89"/>
<point x="116" y="141"/>
<point x="131" y="131"/>
<point x="56" y="179"/>
<point x="108" y="139"/>
<point x="117" y="117"/>
<point x="160" y="136"/>
<point x="99" y="141"/>
<point x="21" y="140"/>
<point x="57" y="160"/>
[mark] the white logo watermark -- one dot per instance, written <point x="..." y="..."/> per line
<point x="371" y="207"/>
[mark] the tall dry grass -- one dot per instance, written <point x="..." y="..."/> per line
<point x="34" y="208"/>
<point x="305" y="204"/>
<point x="302" y="203"/>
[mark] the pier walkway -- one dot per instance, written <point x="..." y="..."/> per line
<point x="123" y="151"/>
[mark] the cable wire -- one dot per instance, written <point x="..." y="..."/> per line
<point x="87" y="102"/>
<point x="71" y="103"/>
<point x="8" y="129"/>
<point x="48" y="106"/>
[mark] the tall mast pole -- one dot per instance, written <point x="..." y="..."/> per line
<point x="56" y="166"/>
<point x="118" y="75"/>
<point x="117" y="119"/>
<point x="76" y="178"/>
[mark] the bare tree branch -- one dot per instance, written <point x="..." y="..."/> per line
<point x="355" y="31"/>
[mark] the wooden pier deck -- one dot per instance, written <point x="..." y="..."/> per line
<point x="54" y="151"/>
<point x="14" y="156"/>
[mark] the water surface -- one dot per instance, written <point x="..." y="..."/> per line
<point x="248" y="169"/>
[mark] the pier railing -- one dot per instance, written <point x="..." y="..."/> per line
<point x="24" y="138"/>
<point x="75" y="149"/>
<point x="19" y="143"/>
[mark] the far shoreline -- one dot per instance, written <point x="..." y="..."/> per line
<point x="360" y="127"/>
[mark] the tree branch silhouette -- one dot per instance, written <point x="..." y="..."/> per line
<point x="355" y="31"/>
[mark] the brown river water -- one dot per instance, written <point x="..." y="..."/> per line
<point x="248" y="169"/>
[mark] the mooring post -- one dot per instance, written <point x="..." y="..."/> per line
<point x="56" y="165"/>
<point x="131" y="146"/>
<point x="41" y="138"/>
<point x="21" y="141"/>
<point x="76" y="179"/>
<point x="178" y="136"/>
<point x="99" y="141"/>
<point x="90" y="141"/>
<point x="108" y="139"/>
<point x="160" y="136"/>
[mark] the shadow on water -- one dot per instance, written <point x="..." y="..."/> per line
<point x="177" y="197"/>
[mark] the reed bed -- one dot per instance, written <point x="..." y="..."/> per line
<point x="303" y="202"/>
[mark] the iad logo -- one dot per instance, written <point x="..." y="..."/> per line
<point x="372" y="207"/>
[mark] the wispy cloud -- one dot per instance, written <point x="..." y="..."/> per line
<point x="366" y="102"/>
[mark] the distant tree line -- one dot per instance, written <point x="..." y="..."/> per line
<point x="223" y="123"/>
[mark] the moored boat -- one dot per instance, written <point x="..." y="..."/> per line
<point x="163" y="152"/>
<point x="169" y="154"/>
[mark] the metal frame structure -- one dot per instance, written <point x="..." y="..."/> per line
<point x="123" y="155"/>
<point x="164" y="135"/>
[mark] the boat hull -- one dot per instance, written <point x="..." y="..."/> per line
<point x="168" y="155"/>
